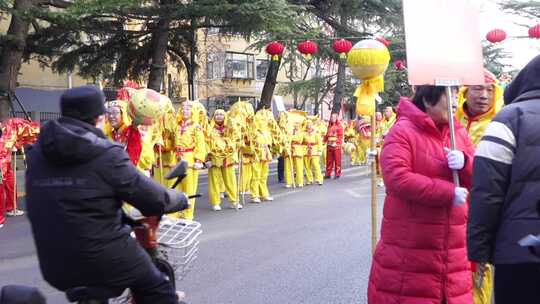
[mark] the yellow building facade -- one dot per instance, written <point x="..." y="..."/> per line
<point x="229" y="70"/>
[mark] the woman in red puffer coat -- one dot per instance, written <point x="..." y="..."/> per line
<point x="422" y="256"/>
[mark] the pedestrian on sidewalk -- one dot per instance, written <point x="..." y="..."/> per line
<point x="334" y="141"/>
<point x="421" y="256"/>
<point x="505" y="195"/>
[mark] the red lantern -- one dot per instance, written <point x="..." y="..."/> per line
<point x="275" y="49"/>
<point x="400" y="65"/>
<point x="534" y="32"/>
<point x="342" y="47"/>
<point x="307" y="48"/>
<point x="383" y="41"/>
<point x="496" y="35"/>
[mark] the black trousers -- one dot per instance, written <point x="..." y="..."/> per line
<point x="280" y="169"/>
<point x="153" y="288"/>
<point x="517" y="283"/>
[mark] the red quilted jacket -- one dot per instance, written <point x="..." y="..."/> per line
<point x="421" y="256"/>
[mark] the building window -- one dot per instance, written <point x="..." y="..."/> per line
<point x="214" y="66"/>
<point x="210" y="66"/>
<point x="239" y="66"/>
<point x="233" y="99"/>
<point x="213" y="31"/>
<point x="262" y="68"/>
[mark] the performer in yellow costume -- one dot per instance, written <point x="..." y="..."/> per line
<point x="349" y="135"/>
<point x="313" y="148"/>
<point x="222" y="154"/>
<point x="242" y="114"/>
<point x="297" y="153"/>
<point x="286" y="131"/>
<point x="116" y="121"/>
<point x="294" y="150"/>
<point x="261" y="141"/>
<point x="362" y="137"/>
<point x="388" y="121"/>
<point x="135" y="139"/>
<point x="165" y="148"/>
<point x="321" y="127"/>
<point x="191" y="147"/>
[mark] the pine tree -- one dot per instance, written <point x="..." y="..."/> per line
<point x="527" y="9"/>
<point x="133" y="39"/>
<point x="493" y="59"/>
<point x="13" y="43"/>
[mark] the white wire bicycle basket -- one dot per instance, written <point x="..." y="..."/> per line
<point x="179" y="244"/>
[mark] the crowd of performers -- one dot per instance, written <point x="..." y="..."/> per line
<point x="358" y="138"/>
<point x="237" y="146"/>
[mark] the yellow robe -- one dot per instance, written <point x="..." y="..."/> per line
<point x="222" y="154"/>
<point x="191" y="147"/>
<point x="313" y="146"/>
<point x="262" y="139"/>
<point x="297" y="160"/>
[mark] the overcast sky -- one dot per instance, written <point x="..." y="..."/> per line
<point x="522" y="50"/>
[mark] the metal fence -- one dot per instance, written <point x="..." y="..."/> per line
<point x="44" y="116"/>
<point x="38" y="116"/>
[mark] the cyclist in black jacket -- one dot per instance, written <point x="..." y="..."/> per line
<point x="75" y="183"/>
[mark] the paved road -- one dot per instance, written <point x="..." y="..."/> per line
<point x="310" y="245"/>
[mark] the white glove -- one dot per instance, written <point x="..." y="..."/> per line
<point x="208" y="164"/>
<point x="371" y="153"/>
<point x="460" y="196"/>
<point x="456" y="159"/>
<point x="197" y="166"/>
<point x="370" y="156"/>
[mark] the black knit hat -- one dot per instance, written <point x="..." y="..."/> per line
<point x="83" y="103"/>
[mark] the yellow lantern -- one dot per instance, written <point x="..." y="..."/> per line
<point x="349" y="148"/>
<point x="146" y="106"/>
<point x="368" y="61"/>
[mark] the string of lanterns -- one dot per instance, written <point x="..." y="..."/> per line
<point x="341" y="46"/>
<point x="308" y="48"/>
<point x="368" y="60"/>
<point x="499" y="35"/>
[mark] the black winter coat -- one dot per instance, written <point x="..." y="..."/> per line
<point x="75" y="183"/>
<point x="506" y="177"/>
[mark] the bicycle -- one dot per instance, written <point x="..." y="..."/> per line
<point x="172" y="246"/>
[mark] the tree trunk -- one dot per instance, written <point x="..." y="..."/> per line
<point x="340" y="83"/>
<point x="338" y="93"/>
<point x="192" y="74"/>
<point x="160" y="43"/>
<point x="269" y="85"/>
<point x="316" y="103"/>
<point x="11" y="54"/>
